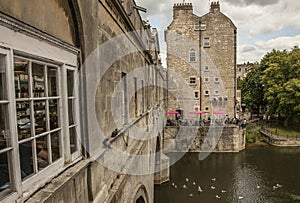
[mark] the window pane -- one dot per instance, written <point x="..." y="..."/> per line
<point x="38" y="79"/>
<point x="4" y="128"/>
<point x="52" y="81"/>
<point x="23" y="120"/>
<point x="21" y="78"/>
<point x="70" y="111"/>
<point x="26" y="160"/>
<point x="70" y="81"/>
<point x="4" y="172"/>
<point x="73" y="138"/>
<point x="40" y="116"/>
<point x="3" y="92"/>
<point x="53" y="114"/>
<point x="55" y="146"/>
<point x="42" y="152"/>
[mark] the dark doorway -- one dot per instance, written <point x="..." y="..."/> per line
<point x="140" y="200"/>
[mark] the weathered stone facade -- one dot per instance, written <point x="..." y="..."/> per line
<point x="210" y="74"/>
<point x="86" y="28"/>
<point x="232" y="139"/>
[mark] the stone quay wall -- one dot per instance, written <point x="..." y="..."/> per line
<point x="183" y="138"/>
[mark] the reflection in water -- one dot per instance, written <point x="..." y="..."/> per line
<point x="249" y="176"/>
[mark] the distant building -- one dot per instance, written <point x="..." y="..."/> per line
<point x="202" y="51"/>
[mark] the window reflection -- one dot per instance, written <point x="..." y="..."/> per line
<point x="55" y="146"/>
<point x="70" y="81"/>
<point x="4" y="172"/>
<point x="38" y="80"/>
<point x="23" y="120"/>
<point x="73" y="137"/>
<point x="3" y="92"/>
<point x="40" y="116"/>
<point x="52" y="84"/>
<point x="4" y="128"/>
<point x="26" y="159"/>
<point x="21" y="78"/>
<point x="53" y="114"/>
<point x="42" y="152"/>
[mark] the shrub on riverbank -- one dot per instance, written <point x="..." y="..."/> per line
<point x="252" y="133"/>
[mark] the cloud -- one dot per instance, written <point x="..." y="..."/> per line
<point x="252" y="2"/>
<point x="248" y="48"/>
<point x="262" y="24"/>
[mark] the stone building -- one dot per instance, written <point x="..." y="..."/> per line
<point x="71" y="72"/>
<point x="201" y="61"/>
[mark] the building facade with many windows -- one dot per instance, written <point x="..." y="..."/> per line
<point x="202" y="52"/>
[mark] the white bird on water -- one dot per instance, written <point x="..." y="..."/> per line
<point x="223" y="191"/>
<point x="186" y="179"/>
<point x="278" y="185"/>
<point x="184" y="186"/>
<point x="200" y="189"/>
<point x="218" y="197"/>
<point x="191" y="195"/>
<point x="175" y="186"/>
<point x="241" y="197"/>
<point x="213" y="179"/>
<point x="213" y="187"/>
<point x="194" y="183"/>
<point x="257" y="186"/>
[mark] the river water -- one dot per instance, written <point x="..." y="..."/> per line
<point x="252" y="175"/>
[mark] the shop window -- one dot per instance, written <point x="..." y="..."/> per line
<point x="34" y="111"/>
<point x="37" y="114"/>
<point x="206" y="93"/>
<point x="5" y="141"/>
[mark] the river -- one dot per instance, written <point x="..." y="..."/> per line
<point x="261" y="173"/>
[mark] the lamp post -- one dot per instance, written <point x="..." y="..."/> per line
<point x="276" y="115"/>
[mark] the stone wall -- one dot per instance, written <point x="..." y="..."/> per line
<point x="213" y="38"/>
<point x="191" y="138"/>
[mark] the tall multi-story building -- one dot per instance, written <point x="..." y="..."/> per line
<point x="201" y="61"/>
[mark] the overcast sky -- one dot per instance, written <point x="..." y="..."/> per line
<point x="262" y="25"/>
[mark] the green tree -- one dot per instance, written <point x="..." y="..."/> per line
<point x="280" y="76"/>
<point x="252" y="89"/>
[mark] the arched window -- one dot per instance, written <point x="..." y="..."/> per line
<point x="192" y="55"/>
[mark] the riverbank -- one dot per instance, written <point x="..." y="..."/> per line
<point x="255" y="133"/>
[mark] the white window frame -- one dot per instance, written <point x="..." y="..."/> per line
<point x="206" y="93"/>
<point x="38" y="46"/>
<point x="206" y="69"/>
<point x="192" y="55"/>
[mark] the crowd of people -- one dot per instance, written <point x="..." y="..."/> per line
<point x="203" y="122"/>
